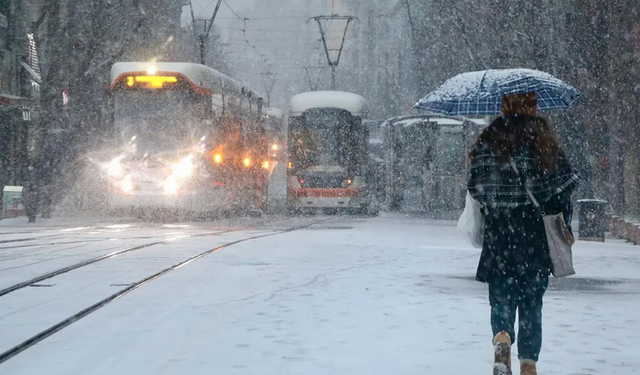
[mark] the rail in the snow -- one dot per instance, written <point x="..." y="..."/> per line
<point x="67" y="232"/>
<point x="32" y="238"/>
<point x="70" y="242"/>
<point x="114" y="254"/>
<point x="104" y="302"/>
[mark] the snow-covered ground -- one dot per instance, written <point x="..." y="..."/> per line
<point x="385" y="295"/>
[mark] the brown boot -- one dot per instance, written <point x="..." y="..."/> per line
<point x="528" y="367"/>
<point x="502" y="354"/>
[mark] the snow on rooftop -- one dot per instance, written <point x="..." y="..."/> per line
<point x="410" y="122"/>
<point x="439" y="119"/>
<point x="354" y="103"/>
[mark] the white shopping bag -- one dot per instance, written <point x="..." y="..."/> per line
<point x="471" y="222"/>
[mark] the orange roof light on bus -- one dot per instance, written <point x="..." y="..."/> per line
<point x="155" y="82"/>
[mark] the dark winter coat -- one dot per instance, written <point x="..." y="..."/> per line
<point x="515" y="240"/>
<point x="496" y="185"/>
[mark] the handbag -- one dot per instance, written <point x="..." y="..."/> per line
<point x="559" y="238"/>
<point x="471" y="222"/>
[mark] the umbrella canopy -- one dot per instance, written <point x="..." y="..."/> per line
<point x="481" y="92"/>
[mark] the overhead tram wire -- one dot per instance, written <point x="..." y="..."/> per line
<point x="268" y="40"/>
<point x="270" y="18"/>
<point x="268" y="64"/>
<point x="205" y="9"/>
<point x="273" y="30"/>
<point x="232" y="11"/>
<point x="244" y="35"/>
<point x="202" y="10"/>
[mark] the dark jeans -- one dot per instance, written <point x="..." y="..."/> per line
<point x="524" y="294"/>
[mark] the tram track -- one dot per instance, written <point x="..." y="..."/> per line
<point x="50" y="251"/>
<point x="12" y="243"/>
<point x="101" y="230"/>
<point x="42" y="335"/>
<point x="31" y="238"/>
<point x="13" y="250"/>
<point x="63" y="231"/>
<point x="70" y="242"/>
<point x="41" y="261"/>
<point x="114" y="254"/>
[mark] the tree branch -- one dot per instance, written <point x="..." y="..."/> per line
<point x="463" y="30"/>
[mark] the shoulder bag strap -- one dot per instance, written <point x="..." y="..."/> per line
<point x="533" y="199"/>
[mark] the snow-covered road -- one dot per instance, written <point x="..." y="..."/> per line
<point x="385" y="295"/>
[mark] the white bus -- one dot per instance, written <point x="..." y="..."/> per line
<point x="327" y="152"/>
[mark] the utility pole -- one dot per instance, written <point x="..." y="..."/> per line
<point x="313" y="87"/>
<point x="268" y="87"/>
<point x="202" y="44"/>
<point x="203" y="37"/>
<point x="333" y="54"/>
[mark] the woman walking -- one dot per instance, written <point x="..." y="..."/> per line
<point x="515" y="259"/>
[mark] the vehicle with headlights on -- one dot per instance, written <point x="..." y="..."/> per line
<point x="186" y="137"/>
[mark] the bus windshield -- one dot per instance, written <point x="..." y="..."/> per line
<point x="161" y="121"/>
<point x="327" y="137"/>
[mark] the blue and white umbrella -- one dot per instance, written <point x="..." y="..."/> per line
<point x="480" y="93"/>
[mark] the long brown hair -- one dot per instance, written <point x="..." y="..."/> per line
<point x="508" y="134"/>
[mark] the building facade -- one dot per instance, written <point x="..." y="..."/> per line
<point x="19" y="86"/>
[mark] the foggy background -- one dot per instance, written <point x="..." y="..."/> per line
<point x="277" y="52"/>
<point x="398" y="52"/>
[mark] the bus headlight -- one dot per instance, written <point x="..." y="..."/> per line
<point x="171" y="186"/>
<point x="247" y="162"/>
<point x="184" y="168"/>
<point x="217" y="158"/>
<point x="126" y="185"/>
<point x="114" y="168"/>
